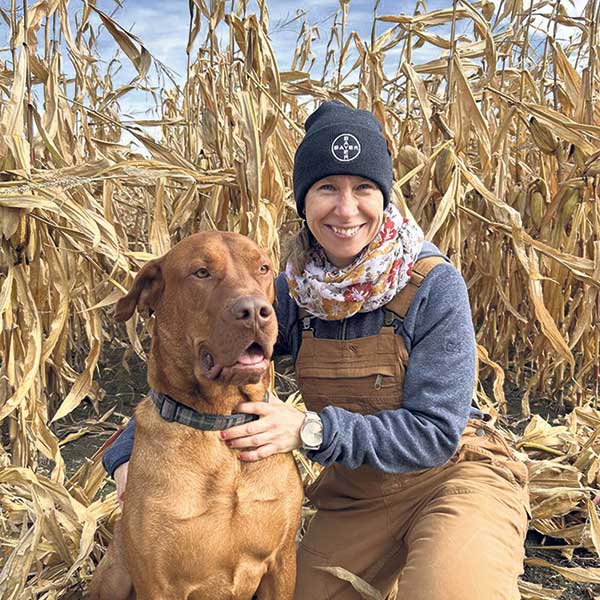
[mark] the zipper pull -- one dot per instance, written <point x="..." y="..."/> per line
<point x="379" y="381"/>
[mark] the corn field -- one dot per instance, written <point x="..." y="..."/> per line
<point x="496" y="153"/>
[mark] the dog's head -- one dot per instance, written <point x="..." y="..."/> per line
<point x="212" y="295"/>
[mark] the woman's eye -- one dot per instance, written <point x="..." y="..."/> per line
<point x="327" y="187"/>
<point x="264" y="269"/>
<point x="202" y="273"/>
<point x="365" y="186"/>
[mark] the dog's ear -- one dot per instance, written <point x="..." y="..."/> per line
<point x="145" y="292"/>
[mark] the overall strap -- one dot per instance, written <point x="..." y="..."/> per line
<point x="398" y="306"/>
<point x="306" y="318"/>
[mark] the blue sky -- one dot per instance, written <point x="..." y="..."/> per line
<point x="162" y="25"/>
<point x="165" y="32"/>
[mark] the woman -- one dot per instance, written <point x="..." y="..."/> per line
<point x="420" y="496"/>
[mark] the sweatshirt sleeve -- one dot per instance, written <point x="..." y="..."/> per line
<point x="438" y="389"/>
<point x="287" y="313"/>
<point x="119" y="451"/>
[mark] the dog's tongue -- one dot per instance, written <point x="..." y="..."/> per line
<point x="251" y="356"/>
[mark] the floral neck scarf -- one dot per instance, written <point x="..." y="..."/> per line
<point x="375" y="276"/>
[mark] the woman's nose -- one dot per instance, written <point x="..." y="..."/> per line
<point x="347" y="203"/>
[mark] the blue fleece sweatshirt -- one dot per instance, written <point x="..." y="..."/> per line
<point x="438" y="385"/>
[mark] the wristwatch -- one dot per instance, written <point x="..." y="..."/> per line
<point x="311" y="432"/>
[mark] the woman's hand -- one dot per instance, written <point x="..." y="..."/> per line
<point x="276" y="431"/>
<point x="120" y="476"/>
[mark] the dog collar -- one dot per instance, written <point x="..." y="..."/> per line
<point x="173" y="411"/>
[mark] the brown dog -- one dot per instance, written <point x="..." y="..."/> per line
<point x="198" y="523"/>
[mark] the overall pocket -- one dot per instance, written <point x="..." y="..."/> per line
<point x="481" y="442"/>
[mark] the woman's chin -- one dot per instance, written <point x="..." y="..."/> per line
<point x="342" y="259"/>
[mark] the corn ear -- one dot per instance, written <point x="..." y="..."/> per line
<point x="537" y="207"/>
<point x="570" y="202"/>
<point x="410" y="157"/>
<point x="544" y="139"/>
<point x="444" y="168"/>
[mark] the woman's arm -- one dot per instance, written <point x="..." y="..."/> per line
<point x="120" y="450"/>
<point x="438" y="389"/>
<point x="285" y="319"/>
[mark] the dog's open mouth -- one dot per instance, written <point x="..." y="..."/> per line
<point x="251" y="362"/>
<point x="253" y="355"/>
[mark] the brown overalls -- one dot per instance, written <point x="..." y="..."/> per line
<point x="453" y="532"/>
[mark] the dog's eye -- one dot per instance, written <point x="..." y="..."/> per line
<point x="264" y="269"/>
<point x="202" y="273"/>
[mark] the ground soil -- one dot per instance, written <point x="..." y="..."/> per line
<point x="552" y="412"/>
<point x="122" y="376"/>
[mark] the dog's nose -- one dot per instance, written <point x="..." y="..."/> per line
<point x="252" y="310"/>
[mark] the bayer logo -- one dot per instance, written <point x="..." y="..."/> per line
<point x="345" y="147"/>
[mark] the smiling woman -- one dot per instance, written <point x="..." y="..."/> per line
<point x="378" y="324"/>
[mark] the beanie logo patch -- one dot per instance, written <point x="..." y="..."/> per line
<point x="345" y="147"/>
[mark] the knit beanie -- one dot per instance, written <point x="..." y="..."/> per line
<point x="341" y="140"/>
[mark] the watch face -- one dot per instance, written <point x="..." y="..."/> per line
<point x="312" y="433"/>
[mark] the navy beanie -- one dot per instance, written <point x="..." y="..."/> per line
<point x="341" y="140"/>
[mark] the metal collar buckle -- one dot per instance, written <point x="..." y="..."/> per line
<point x="168" y="409"/>
<point x="306" y="323"/>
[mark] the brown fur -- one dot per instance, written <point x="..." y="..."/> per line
<point x="198" y="523"/>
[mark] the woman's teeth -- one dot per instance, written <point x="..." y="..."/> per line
<point x="345" y="231"/>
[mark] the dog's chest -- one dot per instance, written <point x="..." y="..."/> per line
<point x="191" y="487"/>
<point x="203" y="482"/>
<point x="234" y="517"/>
<point x="197" y="506"/>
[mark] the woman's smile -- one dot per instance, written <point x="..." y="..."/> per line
<point x="345" y="232"/>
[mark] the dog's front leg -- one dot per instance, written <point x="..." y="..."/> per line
<point x="111" y="580"/>
<point x="280" y="579"/>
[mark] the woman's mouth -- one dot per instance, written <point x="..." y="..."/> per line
<point x="345" y="232"/>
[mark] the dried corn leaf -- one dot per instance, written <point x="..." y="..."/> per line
<point x="12" y="122"/>
<point x="360" y="585"/>
<point x="594" y="524"/>
<point x="577" y="574"/>
<point x="141" y="58"/>
<point x="449" y="201"/>
<point x="535" y="591"/>
<point x="32" y="342"/>
<point x="420" y="90"/>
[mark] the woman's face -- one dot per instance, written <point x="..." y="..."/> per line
<point x="344" y="213"/>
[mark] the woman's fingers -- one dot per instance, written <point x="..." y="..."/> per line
<point x="120" y="476"/>
<point x="251" y="441"/>
<point x="259" y="453"/>
<point x="247" y="430"/>
<point x="276" y="430"/>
